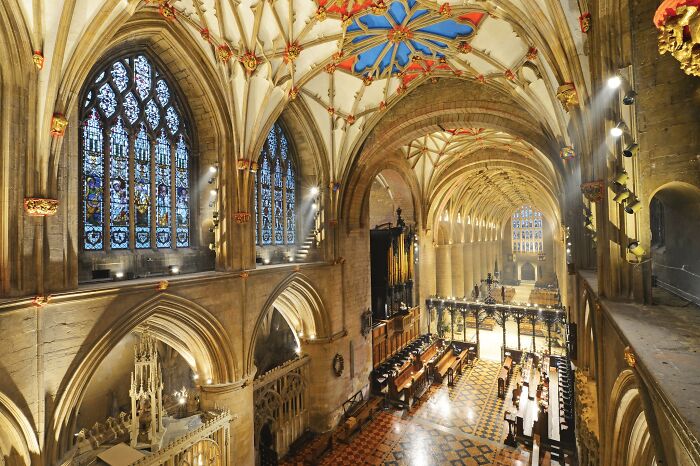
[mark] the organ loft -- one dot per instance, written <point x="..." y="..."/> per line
<point x="340" y="232"/>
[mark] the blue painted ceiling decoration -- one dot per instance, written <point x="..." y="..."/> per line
<point x="385" y="39"/>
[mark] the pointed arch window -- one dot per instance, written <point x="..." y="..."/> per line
<point x="136" y="158"/>
<point x="275" y="192"/>
<point x="527" y="231"/>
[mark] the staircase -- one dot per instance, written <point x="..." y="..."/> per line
<point x="304" y="249"/>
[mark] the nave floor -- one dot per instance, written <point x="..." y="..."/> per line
<point x="459" y="425"/>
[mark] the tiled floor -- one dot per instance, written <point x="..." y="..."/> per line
<point x="460" y="425"/>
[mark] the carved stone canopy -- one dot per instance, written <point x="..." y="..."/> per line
<point x="40" y="207"/>
<point x="678" y="22"/>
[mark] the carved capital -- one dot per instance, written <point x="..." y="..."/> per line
<point x="40" y="207"/>
<point x="38" y="59"/>
<point x="630" y="357"/>
<point x="567" y="95"/>
<point x="58" y="125"/>
<point x="241" y="217"/>
<point x="593" y="190"/>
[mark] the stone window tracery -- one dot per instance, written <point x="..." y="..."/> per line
<point x="527" y="231"/>
<point x="135" y="160"/>
<point x="275" y="192"/>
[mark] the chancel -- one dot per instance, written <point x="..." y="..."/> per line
<point x="325" y="232"/>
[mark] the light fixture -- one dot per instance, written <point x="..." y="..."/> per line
<point x="621" y="196"/>
<point x="212" y="169"/>
<point x="195" y="376"/>
<point x="314" y="206"/>
<point x="266" y="261"/>
<point x="629" y="97"/>
<point x="590" y="227"/>
<point x="636" y="249"/>
<point x="614" y="82"/>
<point x="631" y="150"/>
<point x="621" y="178"/>
<point x="633" y="206"/>
<point x="212" y="192"/>
<point x="212" y="246"/>
<point x="119" y="275"/>
<point x="173" y="269"/>
<point x="314" y="190"/>
<point x="209" y="381"/>
<point x="618" y="130"/>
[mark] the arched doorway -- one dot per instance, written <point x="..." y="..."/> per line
<point x="527" y="272"/>
<point x="268" y="455"/>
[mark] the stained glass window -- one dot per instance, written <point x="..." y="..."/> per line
<point x="527" y="231"/>
<point x="131" y="113"/>
<point x="275" y="192"/>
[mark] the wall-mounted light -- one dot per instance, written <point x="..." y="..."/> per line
<point x="314" y="190"/>
<point x="621" y="196"/>
<point x="631" y="150"/>
<point x="618" y="130"/>
<point x="213" y="169"/>
<point x="173" y="269"/>
<point x="633" y="206"/>
<point x="636" y="249"/>
<point x="621" y="178"/>
<point x="119" y="275"/>
<point x="212" y="246"/>
<point x="614" y="82"/>
<point x="212" y="192"/>
<point x="314" y="206"/>
<point x="629" y="97"/>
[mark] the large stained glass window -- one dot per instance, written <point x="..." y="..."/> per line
<point x="275" y="192"/>
<point x="135" y="144"/>
<point x="527" y="231"/>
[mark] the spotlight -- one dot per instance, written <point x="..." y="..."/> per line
<point x="266" y="261"/>
<point x="209" y="381"/>
<point x="621" y="196"/>
<point x="614" y="82"/>
<point x="212" y="169"/>
<point x="635" y="248"/>
<point x="618" y="130"/>
<point x="314" y="191"/>
<point x="633" y="206"/>
<point x="631" y="150"/>
<point x="212" y="246"/>
<point x="314" y="206"/>
<point x="630" y="97"/>
<point x="621" y="178"/>
<point x="195" y="376"/>
<point x="215" y="214"/>
<point x="119" y="275"/>
<point x="213" y="192"/>
<point x="182" y="400"/>
<point x="173" y="269"/>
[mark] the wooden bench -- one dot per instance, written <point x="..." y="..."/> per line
<point x="356" y="412"/>
<point x="443" y="366"/>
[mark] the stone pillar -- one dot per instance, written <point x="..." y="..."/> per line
<point x="237" y="398"/>
<point x="483" y="255"/>
<point x="468" y="269"/>
<point x="457" y="258"/>
<point x="426" y="274"/>
<point x="443" y="270"/>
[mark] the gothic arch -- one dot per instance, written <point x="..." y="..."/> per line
<point x="300" y="305"/>
<point x="186" y="326"/>
<point x="18" y="442"/>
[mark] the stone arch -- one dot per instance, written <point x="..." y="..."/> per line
<point x="588" y="335"/>
<point x="18" y="443"/>
<point x="626" y="423"/>
<point x="186" y="326"/>
<point x="355" y="198"/>
<point x="301" y="306"/>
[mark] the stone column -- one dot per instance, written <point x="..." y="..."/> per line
<point x="443" y="270"/>
<point x="426" y="274"/>
<point x="457" y="258"/>
<point x="468" y="268"/>
<point x="237" y="398"/>
<point x="483" y="254"/>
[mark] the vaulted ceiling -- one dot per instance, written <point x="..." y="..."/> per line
<point x="349" y="62"/>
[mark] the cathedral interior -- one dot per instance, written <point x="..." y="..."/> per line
<point x="349" y="232"/>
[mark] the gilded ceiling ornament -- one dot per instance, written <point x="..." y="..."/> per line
<point x="41" y="301"/>
<point x="401" y="89"/>
<point x="205" y="35"/>
<point x="38" y="59"/>
<point x="464" y="47"/>
<point x="40" y="207"/>
<point x="630" y="357"/>
<point x="585" y="22"/>
<point x="350" y="119"/>
<point x="321" y="14"/>
<point x="531" y="53"/>
<point x="244" y="275"/>
<point x="382" y="105"/>
<point x="162" y="285"/>
<point x="367" y="80"/>
<point x="58" y="125"/>
<point x="249" y="61"/>
<point x="399" y="34"/>
<point x="293" y="93"/>
<point x="241" y="217"/>
<point x="593" y="190"/>
<point x="510" y="76"/>
<point x="291" y="52"/>
<point x="223" y="53"/>
<point x="167" y="11"/>
<point x="567" y="95"/>
<point x="254" y="166"/>
<point x="379" y="8"/>
<point x="567" y="152"/>
<point x="481" y="79"/>
<point x="330" y="110"/>
<point x="330" y="68"/>
<point x="445" y="10"/>
<point x="243" y="164"/>
<point x="678" y="22"/>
